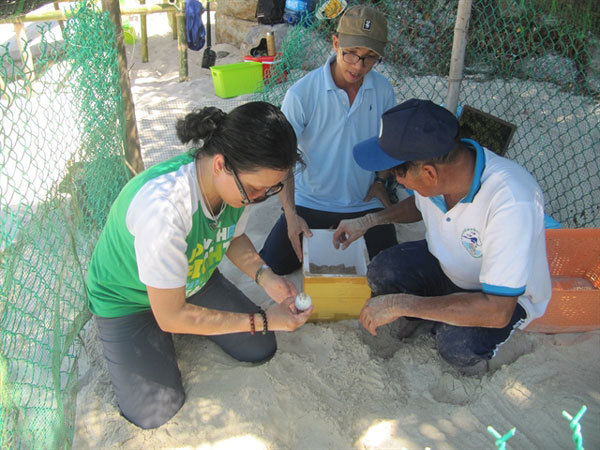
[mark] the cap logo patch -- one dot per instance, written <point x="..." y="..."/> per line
<point x="367" y="25"/>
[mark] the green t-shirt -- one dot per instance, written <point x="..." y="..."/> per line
<point x="159" y="234"/>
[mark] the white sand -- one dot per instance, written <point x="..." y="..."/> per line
<point x="332" y="386"/>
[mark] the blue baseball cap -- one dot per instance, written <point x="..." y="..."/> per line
<point x="412" y="131"/>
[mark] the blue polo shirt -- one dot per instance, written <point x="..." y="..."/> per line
<point x="494" y="239"/>
<point x="327" y="128"/>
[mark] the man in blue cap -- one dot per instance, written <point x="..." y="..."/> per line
<point x="482" y="270"/>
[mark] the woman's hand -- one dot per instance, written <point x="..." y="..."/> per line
<point x="285" y="317"/>
<point x="296" y="225"/>
<point x="277" y="287"/>
<point x="378" y="311"/>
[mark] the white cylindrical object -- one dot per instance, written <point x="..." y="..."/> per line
<point x="303" y="301"/>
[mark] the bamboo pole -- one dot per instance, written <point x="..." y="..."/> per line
<point x="132" y="151"/>
<point x="182" y="42"/>
<point x="144" y="32"/>
<point x="61" y="23"/>
<point x="24" y="51"/>
<point x="457" y="61"/>
<point x="49" y="16"/>
<point x="172" y="21"/>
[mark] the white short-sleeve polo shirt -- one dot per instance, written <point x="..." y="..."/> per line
<point x="493" y="240"/>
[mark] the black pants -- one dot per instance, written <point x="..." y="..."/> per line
<point x="277" y="250"/>
<point x="141" y="357"/>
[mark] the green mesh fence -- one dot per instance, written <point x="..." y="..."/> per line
<point x="15" y="7"/>
<point x="62" y="142"/>
<point x="525" y="66"/>
<point x="60" y="169"/>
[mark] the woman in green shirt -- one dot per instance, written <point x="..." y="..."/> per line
<point x="154" y="269"/>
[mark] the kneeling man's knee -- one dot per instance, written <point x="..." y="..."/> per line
<point x="381" y="274"/>
<point x="459" y="345"/>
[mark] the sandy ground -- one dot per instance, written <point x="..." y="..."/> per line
<point x="331" y="386"/>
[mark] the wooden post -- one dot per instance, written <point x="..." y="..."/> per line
<point x="25" y="52"/>
<point x="61" y="24"/>
<point x="144" y="34"/>
<point x="182" y="42"/>
<point x="172" y="20"/>
<point x="457" y="61"/>
<point x="132" y="152"/>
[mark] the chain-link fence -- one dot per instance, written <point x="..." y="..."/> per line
<point x="16" y="7"/>
<point x="524" y="66"/>
<point x="63" y="138"/>
<point x="60" y="169"/>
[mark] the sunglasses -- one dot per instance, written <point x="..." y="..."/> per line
<point x="269" y="192"/>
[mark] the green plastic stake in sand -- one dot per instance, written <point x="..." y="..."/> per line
<point x="501" y="440"/>
<point x="576" y="427"/>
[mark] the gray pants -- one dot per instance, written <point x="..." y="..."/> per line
<point x="141" y="357"/>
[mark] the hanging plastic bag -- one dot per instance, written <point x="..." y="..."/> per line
<point x="195" y="32"/>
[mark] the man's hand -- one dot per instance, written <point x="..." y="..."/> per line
<point x="350" y="230"/>
<point x="296" y="225"/>
<point x="378" y="311"/>
<point x="277" y="287"/>
<point x="285" y="317"/>
<point x="378" y="190"/>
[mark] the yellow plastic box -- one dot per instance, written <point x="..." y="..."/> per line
<point x="231" y="80"/>
<point x="335" y="295"/>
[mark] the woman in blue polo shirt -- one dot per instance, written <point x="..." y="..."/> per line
<point x="154" y="270"/>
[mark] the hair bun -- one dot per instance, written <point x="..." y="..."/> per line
<point x="199" y="124"/>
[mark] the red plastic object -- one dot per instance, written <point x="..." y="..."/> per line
<point x="267" y="62"/>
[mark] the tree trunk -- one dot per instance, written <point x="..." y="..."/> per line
<point x="132" y="152"/>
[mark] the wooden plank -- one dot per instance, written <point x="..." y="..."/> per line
<point x="49" y="16"/>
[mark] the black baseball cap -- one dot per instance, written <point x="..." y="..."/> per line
<point x="412" y="131"/>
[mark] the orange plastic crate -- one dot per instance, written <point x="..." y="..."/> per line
<point x="574" y="260"/>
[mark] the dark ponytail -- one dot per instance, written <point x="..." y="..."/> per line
<point x="252" y="136"/>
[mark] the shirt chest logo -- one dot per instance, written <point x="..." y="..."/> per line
<point x="471" y="242"/>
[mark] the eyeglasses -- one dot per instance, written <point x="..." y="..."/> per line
<point x="401" y="169"/>
<point x="269" y="192"/>
<point x="353" y="58"/>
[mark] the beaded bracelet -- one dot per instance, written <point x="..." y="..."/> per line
<point x="252" y="330"/>
<point x="265" y="322"/>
